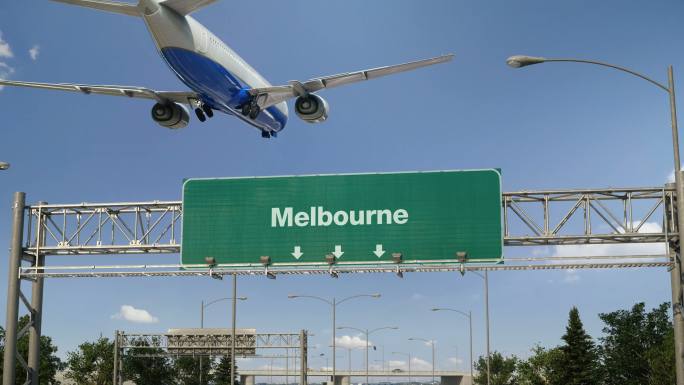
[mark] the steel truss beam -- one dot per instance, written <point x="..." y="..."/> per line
<point x="208" y="342"/>
<point x="530" y="218"/>
<point x="174" y="344"/>
<point x="570" y="217"/>
<point x="553" y="217"/>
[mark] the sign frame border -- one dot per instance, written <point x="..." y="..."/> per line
<point x="361" y="265"/>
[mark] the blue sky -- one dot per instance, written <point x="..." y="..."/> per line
<point x="549" y="126"/>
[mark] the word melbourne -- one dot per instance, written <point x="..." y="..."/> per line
<point x="318" y="216"/>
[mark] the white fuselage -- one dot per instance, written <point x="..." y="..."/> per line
<point x="208" y="65"/>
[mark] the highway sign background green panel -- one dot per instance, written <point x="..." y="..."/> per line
<point x="434" y="215"/>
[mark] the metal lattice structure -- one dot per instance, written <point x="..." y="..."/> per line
<point x="600" y="216"/>
<point x="209" y="342"/>
<point x="213" y="342"/>
<point x="530" y="218"/>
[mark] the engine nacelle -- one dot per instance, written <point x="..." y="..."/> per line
<point x="312" y="108"/>
<point x="170" y="115"/>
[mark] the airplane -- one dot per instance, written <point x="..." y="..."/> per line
<point x="219" y="79"/>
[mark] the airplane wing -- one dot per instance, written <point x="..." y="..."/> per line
<point x="269" y="96"/>
<point x="186" y="7"/>
<point x="131" y="92"/>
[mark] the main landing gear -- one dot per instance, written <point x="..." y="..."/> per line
<point x="203" y="111"/>
<point x="251" y="109"/>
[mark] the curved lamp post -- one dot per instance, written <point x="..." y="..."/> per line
<point x="333" y="304"/>
<point x="204" y="306"/>
<point x="367" y="333"/>
<point x="519" y="61"/>
<point x="470" y="326"/>
<point x="432" y="344"/>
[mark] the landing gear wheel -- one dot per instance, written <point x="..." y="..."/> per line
<point x="200" y="115"/>
<point x="246" y="109"/>
<point x="254" y="112"/>
<point x="208" y="111"/>
<point x="265" y="134"/>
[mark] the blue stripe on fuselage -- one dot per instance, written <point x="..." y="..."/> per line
<point x="219" y="88"/>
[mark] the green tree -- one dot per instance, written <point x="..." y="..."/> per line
<point x="92" y="364"/>
<point x="502" y="369"/>
<point x="187" y="370"/>
<point x="148" y="365"/>
<point x="634" y="349"/>
<point x="542" y="368"/>
<point x="661" y="361"/>
<point x="50" y="364"/>
<point x="221" y="372"/>
<point x="580" y="363"/>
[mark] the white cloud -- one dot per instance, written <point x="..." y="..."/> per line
<point x="455" y="360"/>
<point x="419" y="364"/>
<point x="34" y="52"/>
<point x="416" y="364"/>
<point x="571" y="276"/>
<point x="5" y="50"/>
<point x="131" y="314"/>
<point x="268" y="367"/>
<point x="348" y="342"/>
<point x="5" y="71"/>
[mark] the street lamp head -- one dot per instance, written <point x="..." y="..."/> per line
<point x="376" y="295"/>
<point x="518" y="61"/>
<point x="242" y="298"/>
<point x="436" y="309"/>
<point x="292" y="296"/>
<point x="4" y="165"/>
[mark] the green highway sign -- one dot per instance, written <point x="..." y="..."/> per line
<point x="361" y="219"/>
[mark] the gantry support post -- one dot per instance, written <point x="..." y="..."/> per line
<point x="304" y="365"/>
<point x="13" y="283"/>
<point x="37" y="305"/>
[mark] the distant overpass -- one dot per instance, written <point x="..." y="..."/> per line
<point x="343" y="377"/>
<point x="353" y="373"/>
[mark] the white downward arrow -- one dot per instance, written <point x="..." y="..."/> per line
<point x="379" y="252"/>
<point x="297" y="252"/>
<point x="338" y="251"/>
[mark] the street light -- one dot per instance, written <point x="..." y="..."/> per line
<point x="4" y="166"/>
<point x="204" y="306"/>
<point x="676" y="272"/>
<point x="333" y="304"/>
<point x="470" y="323"/>
<point x="367" y="333"/>
<point x="432" y="344"/>
<point x="409" y="364"/>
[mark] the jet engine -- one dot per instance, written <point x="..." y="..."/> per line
<point x="312" y="108"/>
<point x="173" y="116"/>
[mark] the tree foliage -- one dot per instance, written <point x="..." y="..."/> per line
<point x="50" y="364"/>
<point x="92" y="363"/>
<point x="502" y="369"/>
<point x="543" y="367"/>
<point x="187" y="370"/>
<point x="147" y="365"/>
<point x="221" y="373"/>
<point x="580" y="364"/>
<point x="634" y="347"/>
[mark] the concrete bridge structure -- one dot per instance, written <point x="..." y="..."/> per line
<point x="343" y="377"/>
